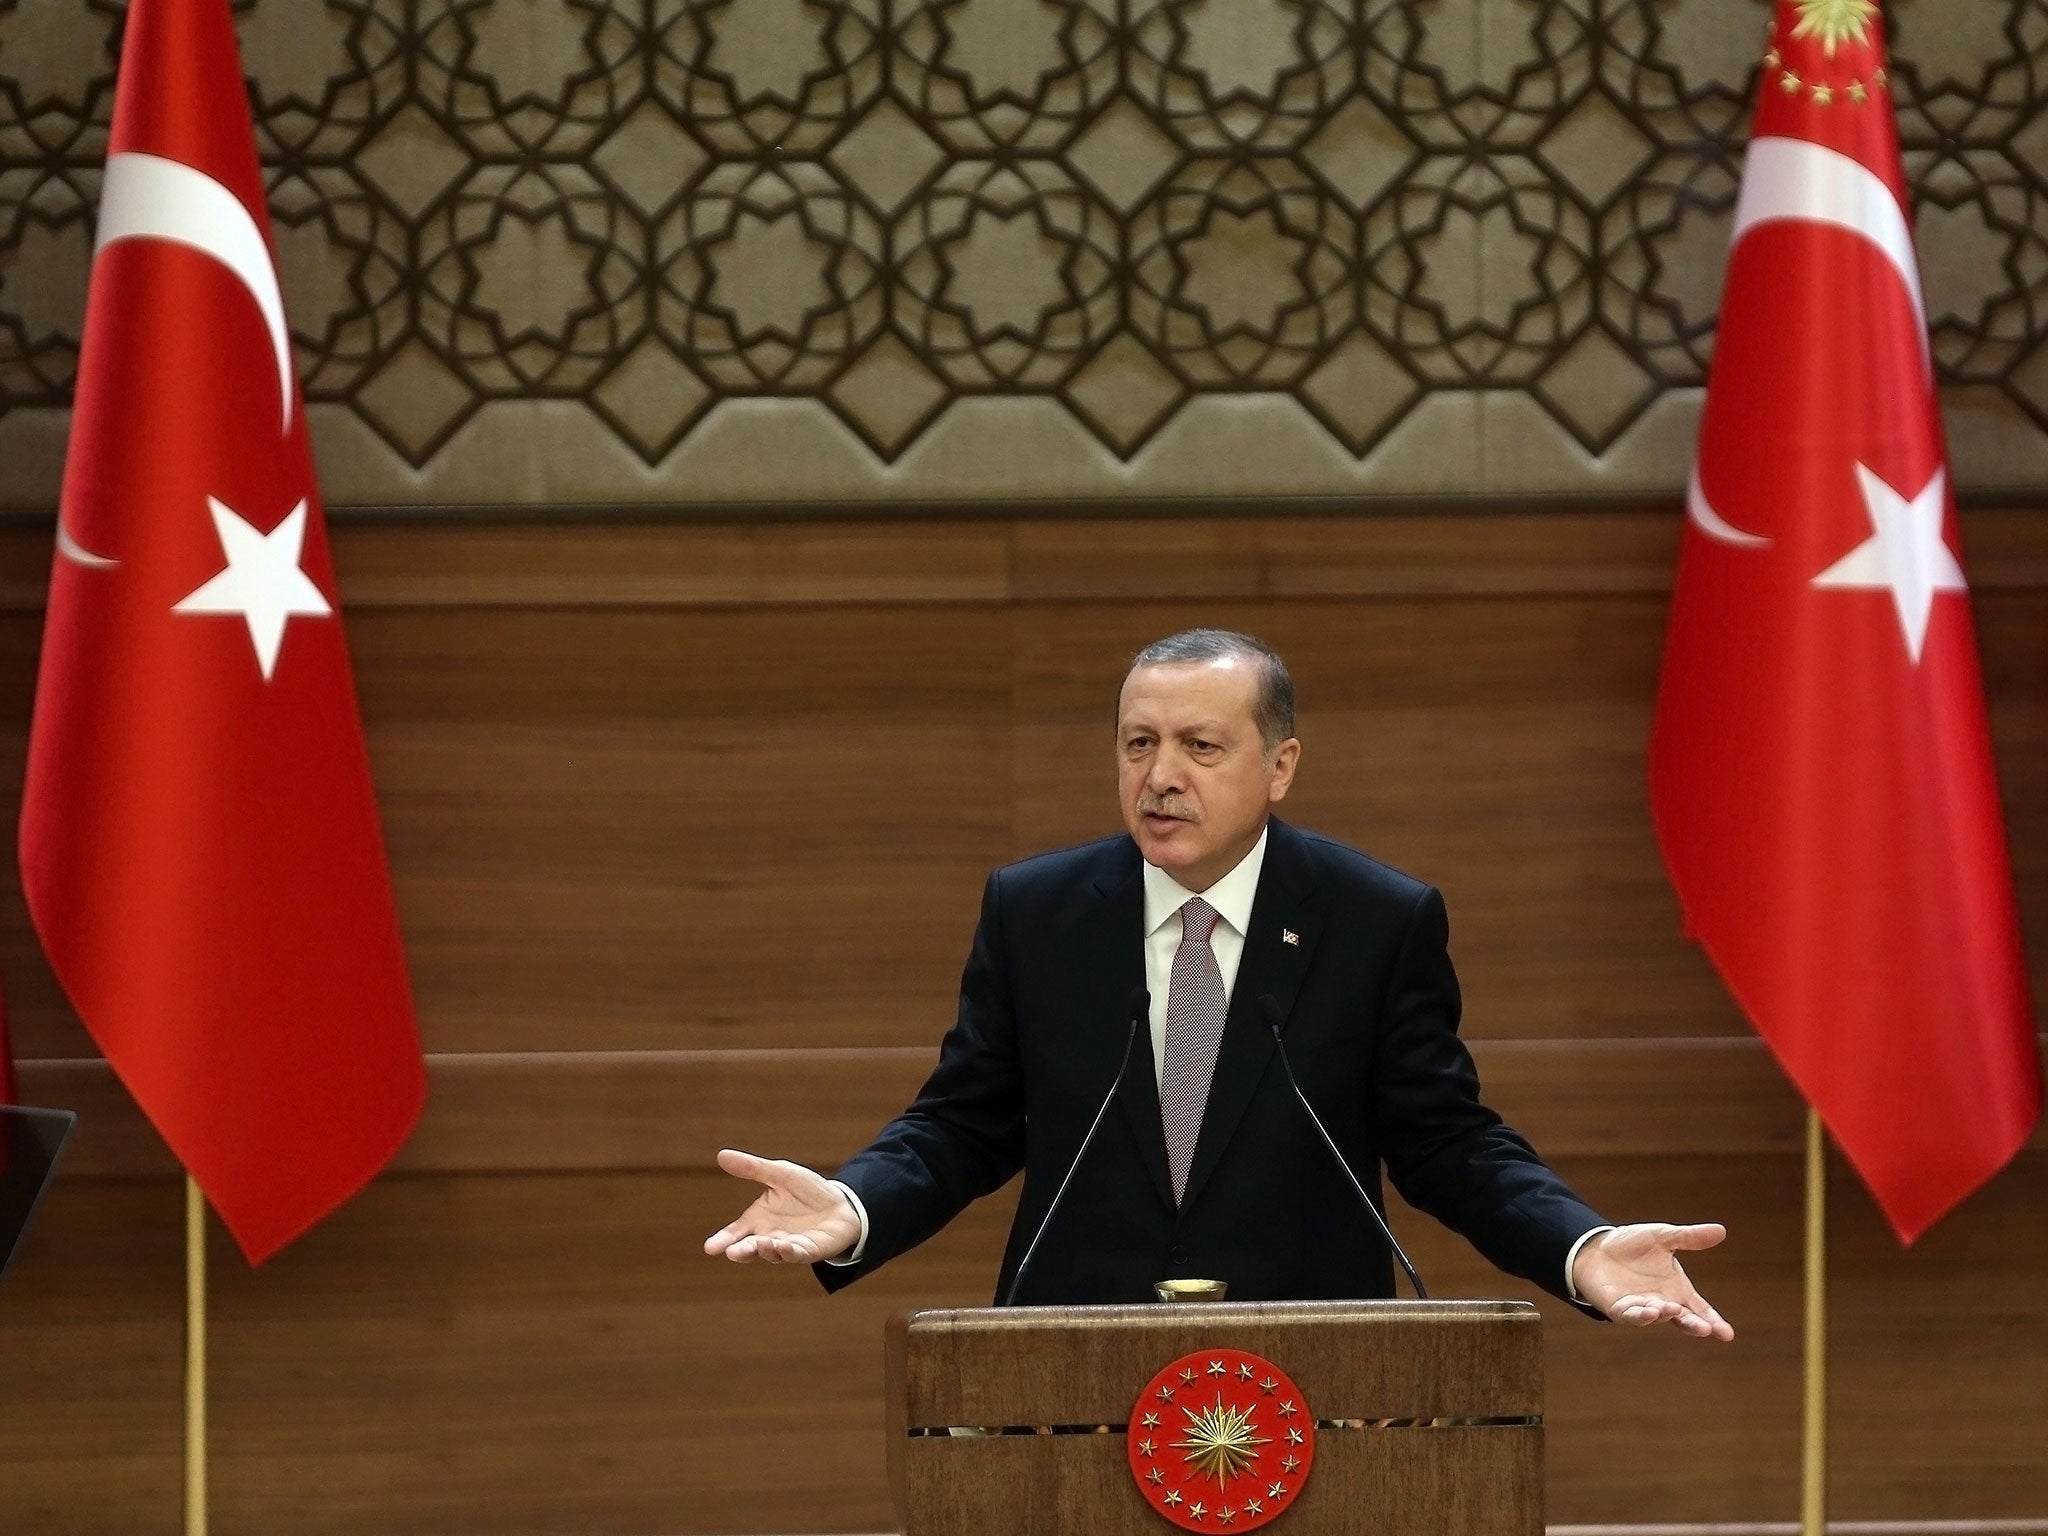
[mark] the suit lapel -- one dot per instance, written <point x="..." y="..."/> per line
<point x="1273" y="965"/>
<point x="1108" y="954"/>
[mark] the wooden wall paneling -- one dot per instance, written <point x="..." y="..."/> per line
<point x="411" y="1358"/>
<point x="91" y="1364"/>
<point x="613" y="1111"/>
<point x="658" y="565"/>
<point x="552" y="1353"/>
<point x="546" y="1352"/>
<point x="1020" y="555"/>
<point x="575" y="793"/>
<point x="1939" y="1354"/>
<point x="1939" y="1399"/>
<point x="690" y="824"/>
<point x="682" y="828"/>
<point x="1648" y="1420"/>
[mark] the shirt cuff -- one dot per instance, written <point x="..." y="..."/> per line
<point x="861" y="1211"/>
<point x="1571" y="1260"/>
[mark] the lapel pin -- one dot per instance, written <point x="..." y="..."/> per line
<point x="1289" y="936"/>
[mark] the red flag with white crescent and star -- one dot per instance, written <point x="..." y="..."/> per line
<point x="200" y="844"/>
<point x="1820" y="768"/>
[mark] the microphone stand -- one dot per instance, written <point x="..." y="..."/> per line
<point x="1141" y="1006"/>
<point x="1269" y="1009"/>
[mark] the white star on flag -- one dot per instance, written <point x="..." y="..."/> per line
<point x="1906" y="556"/>
<point x="263" y="583"/>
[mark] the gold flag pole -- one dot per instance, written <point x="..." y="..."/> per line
<point x="195" y="1359"/>
<point x="1813" y="1502"/>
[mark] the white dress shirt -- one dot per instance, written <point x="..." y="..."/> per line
<point x="1230" y="897"/>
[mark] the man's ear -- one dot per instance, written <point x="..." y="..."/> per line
<point x="1285" y="757"/>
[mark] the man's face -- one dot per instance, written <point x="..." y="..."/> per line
<point x="1194" y="779"/>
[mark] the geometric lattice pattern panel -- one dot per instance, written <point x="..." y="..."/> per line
<point x="717" y="250"/>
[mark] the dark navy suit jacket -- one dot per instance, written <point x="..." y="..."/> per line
<point x="1370" y="1004"/>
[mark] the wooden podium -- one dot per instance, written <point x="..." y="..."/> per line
<point x="1011" y="1421"/>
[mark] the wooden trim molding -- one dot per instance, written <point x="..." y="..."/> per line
<point x="524" y="563"/>
<point x="616" y="1111"/>
<point x="1835" y="1528"/>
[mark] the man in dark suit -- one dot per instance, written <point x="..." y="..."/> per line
<point x="1187" y="940"/>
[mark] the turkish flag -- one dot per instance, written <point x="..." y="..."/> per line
<point x="199" y="836"/>
<point x="1820" y="768"/>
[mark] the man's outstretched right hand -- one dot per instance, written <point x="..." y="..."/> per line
<point x="801" y="1217"/>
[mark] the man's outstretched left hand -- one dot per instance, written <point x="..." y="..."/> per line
<point x="1633" y="1275"/>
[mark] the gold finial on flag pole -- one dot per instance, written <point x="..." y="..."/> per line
<point x="195" y="1359"/>
<point x="1813" y="1499"/>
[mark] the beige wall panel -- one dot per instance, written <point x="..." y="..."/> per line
<point x="587" y="253"/>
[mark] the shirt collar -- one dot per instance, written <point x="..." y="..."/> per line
<point x="1231" y="896"/>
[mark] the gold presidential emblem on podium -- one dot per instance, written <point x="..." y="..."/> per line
<point x="1221" y="1440"/>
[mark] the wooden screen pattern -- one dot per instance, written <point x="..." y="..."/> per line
<point x="879" y="208"/>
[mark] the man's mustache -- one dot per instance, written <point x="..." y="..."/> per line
<point x="1153" y="805"/>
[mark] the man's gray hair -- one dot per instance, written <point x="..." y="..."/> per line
<point x="1272" y="710"/>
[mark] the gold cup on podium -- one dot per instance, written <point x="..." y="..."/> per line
<point x="1190" y="1290"/>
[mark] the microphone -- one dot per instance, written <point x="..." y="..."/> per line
<point x="1269" y="1010"/>
<point x="1141" y="1012"/>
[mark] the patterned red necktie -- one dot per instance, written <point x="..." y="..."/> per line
<point x="1194" y="1029"/>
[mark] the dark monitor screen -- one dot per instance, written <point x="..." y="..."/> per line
<point x="30" y="1140"/>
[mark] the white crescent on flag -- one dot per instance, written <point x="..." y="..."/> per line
<point x="1711" y="523"/>
<point x="1785" y="178"/>
<point x="1798" y="179"/>
<point x="147" y="197"/>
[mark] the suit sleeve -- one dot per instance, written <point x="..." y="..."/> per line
<point x="1446" y="1152"/>
<point x="963" y="1135"/>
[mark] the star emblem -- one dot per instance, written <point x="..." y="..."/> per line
<point x="1211" y="1467"/>
<point x="1906" y="556"/>
<point x="263" y="584"/>
<point x="1220" y="1442"/>
<point x="1834" y="22"/>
